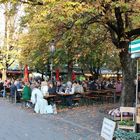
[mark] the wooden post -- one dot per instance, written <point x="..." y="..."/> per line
<point x="137" y="83"/>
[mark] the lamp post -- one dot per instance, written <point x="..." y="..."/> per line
<point x="52" y="50"/>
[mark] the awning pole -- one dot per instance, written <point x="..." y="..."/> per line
<point x="137" y="83"/>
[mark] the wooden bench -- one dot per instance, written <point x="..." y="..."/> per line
<point x="92" y="97"/>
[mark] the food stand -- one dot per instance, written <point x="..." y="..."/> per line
<point x="134" y="49"/>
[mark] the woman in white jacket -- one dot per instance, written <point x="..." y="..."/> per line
<point x="37" y="99"/>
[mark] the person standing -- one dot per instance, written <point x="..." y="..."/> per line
<point x="118" y="87"/>
<point x="19" y="87"/>
<point x="1" y="88"/>
<point x="13" y="90"/>
<point x="26" y="96"/>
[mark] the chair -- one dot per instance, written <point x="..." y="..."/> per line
<point x="131" y="110"/>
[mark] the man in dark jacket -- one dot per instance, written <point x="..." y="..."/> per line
<point x="13" y="90"/>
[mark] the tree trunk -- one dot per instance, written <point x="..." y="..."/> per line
<point x="4" y="77"/>
<point x="70" y="68"/>
<point x="42" y="76"/>
<point x="129" y="75"/>
<point x="96" y="72"/>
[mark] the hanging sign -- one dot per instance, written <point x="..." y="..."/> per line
<point x="135" y="55"/>
<point x="134" y="48"/>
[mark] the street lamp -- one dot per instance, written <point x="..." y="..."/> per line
<point x="52" y="50"/>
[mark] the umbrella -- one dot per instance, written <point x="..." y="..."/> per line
<point x="26" y="74"/>
<point x="73" y="76"/>
<point x="57" y="74"/>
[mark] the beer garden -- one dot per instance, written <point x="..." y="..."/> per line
<point x="55" y="37"/>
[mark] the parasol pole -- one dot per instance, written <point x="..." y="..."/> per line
<point x="137" y="83"/>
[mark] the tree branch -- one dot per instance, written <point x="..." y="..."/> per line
<point x="8" y="65"/>
<point x="133" y="33"/>
<point x="120" y="25"/>
<point x="112" y="26"/>
<point x="113" y="36"/>
<point x="94" y="19"/>
<point x="32" y="2"/>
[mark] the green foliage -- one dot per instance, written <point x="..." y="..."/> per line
<point x="120" y="134"/>
<point x="78" y="29"/>
<point x="127" y="122"/>
<point x="64" y="22"/>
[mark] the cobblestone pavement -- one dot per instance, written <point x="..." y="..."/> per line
<point x="80" y="123"/>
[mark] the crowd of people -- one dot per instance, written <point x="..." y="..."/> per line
<point x="34" y="91"/>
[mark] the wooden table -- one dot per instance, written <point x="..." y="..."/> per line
<point x="64" y="94"/>
<point x="101" y="93"/>
<point x="64" y="97"/>
<point x="50" y="97"/>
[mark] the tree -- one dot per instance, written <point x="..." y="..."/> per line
<point x="93" y="49"/>
<point x="34" y="39"/>
<point x="119" y="17"/>
<point x="9" y="46"/>
<point x="47" y="25"/>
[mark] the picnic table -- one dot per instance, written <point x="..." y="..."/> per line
<point x="102" y="94"/>
<point x="65" y="96"/>
<point x="108" y="94"/>
<point x="50" y="98"/>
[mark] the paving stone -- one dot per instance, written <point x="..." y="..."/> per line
<point x="80" y="123"/>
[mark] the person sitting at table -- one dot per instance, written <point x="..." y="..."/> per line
<point x="118" y="88"/>
<point x="44" y="88"/>
<point x="85" y="85"/>
<point x="93" y="85"/>
<point x="38" y="100"/>
<point x="51" y="89"/>
<point x="70" y="89"/>
<point x="60" y="88"/>
<point x="78" y="87"/>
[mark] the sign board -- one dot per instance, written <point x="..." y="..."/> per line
<point x="134" y="46"/>
<point x="135" y="55"/>
<point x="108" y="128"/>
